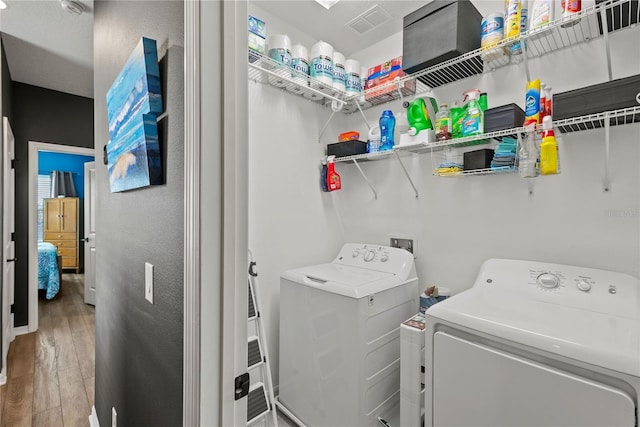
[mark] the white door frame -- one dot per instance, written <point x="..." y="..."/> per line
<point x="8" y="245"/>
<point x="34" y="148"/>
<point x="216" y="211"/>
<point x="90" y="194"/>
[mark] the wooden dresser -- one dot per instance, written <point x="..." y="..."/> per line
<point x="61" y="229"/>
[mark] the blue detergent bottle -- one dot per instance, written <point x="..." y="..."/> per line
<point x="387" y="128"/>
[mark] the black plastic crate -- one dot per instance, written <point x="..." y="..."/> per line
<point x="440" y="31"/>
<point x="608" y="96"/>
<point x="503" y="117"/>
<point x="346" y="148"/>
<point x="478" y="159"/>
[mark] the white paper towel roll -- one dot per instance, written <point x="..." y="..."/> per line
<point x="353" y="84"/>
<point x="300" y="65"/>
<point x="280" y="51"/>
<point x="321" y="65"/>
<point x="338" y="71"/>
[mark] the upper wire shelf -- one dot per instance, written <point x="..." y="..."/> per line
<point x="559" y="34"/>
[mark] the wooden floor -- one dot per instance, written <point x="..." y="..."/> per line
<point x="51" y="371"/>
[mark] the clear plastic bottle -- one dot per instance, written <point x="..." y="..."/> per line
<point x="443" y="123"/>
<point x="528" y="153"/>
<point x="387" y="128"/>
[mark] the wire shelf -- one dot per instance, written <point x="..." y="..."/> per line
<point x="486" y="171"/>
<point x="623" y="116"/>
<point x="263" y="69"/>
<point x="378" y="155"/>
<point x="562" y="33"/>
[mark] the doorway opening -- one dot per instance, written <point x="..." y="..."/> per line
<point x="35" y="148"/>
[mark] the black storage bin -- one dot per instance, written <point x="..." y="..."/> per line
<point x="504" y="117"/>
<point x="346" y="148"/>
<point x="439" y="31"/>
<point x="478" y="159"/>
<point x="620" y="16"/>
<point x="613" y="95"/>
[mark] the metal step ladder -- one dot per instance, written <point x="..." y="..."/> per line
<point x="261" y="401"/>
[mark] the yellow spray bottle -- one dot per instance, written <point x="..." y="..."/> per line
<point x="549" y="159"/>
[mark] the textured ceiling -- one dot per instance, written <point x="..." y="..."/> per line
<point x="330" y="25"/>
<point x="47" y="46"/>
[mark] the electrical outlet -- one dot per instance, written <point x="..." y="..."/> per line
<point x="148" y="282"/>
<point x="114" y="417"/>
<point x="402" y="243"/>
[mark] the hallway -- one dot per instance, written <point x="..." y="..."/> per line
<point x="51" y="371"/>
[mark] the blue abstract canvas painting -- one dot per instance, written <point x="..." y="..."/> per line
<point x="133" y="103"/>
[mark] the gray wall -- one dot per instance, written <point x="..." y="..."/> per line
<point x="41" y="115"/>
<point x="139" y="345"/>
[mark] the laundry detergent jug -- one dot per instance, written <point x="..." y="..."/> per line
<point x="419" y="114"/>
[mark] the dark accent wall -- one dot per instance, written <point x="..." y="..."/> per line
<point x="41" y="115"/>
<point x="139" y="345"/>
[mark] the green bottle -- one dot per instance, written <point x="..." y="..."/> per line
<point x="457" y="115"/>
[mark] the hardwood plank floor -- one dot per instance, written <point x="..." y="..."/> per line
<point x="51" y="372"/>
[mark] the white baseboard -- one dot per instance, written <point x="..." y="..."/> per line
<point x="3" y="376"/>
<point x="20" y="330"/>
<point x="93" y="418"/>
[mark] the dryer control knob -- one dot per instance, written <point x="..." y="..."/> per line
<point x="548" y="280"/>
<point x="355" y="253"/>
<point x="584" y="285"/>
<point x="369" y="256"/>
<point x="384" y="258"/>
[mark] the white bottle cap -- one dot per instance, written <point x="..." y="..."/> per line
<point x="547" y="123"/>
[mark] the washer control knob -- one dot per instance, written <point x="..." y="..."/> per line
<point x="548" y="280"/>
<point x="355" y="253"/>
<point x="369" y="256"/>
<point x="584" y="285"/>
<point x="384" y="258"/>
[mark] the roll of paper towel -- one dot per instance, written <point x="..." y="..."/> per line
<point x="300" y="67"/>
<point x="338" y="71"/>
<point x="353" y="84"/>
<point x="321" y="70"/>
<point x="280" y="52"/>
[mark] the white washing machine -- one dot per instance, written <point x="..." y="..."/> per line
<point x="339" y="335"/>
<point x="535" y="344"/>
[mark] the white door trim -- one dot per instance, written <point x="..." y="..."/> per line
<point x="191" y="341"/>
<point x="34" y="147"/>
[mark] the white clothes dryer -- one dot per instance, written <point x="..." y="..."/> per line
<point x="535" y="344"/>
<point x="340" y="335"/>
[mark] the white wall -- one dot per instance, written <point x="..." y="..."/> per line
<point x="457" y="222"/>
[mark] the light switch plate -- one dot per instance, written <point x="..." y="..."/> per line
<point x="148" y="282"/>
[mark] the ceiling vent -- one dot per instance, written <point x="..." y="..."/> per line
<point x="369" y="19"/>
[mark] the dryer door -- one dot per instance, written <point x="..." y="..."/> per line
<point x="475" y="385"/>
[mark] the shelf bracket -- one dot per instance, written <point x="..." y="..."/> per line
<point x="605" y="34"/>
<point x="366" y="122"/>
<point x="524" y="59"/>
<point x="397" y="82"/>
<point x="333" y="112"/>
<point x="607" y="128"/>
<point x="375" y="193"/>
<point x="406" y="173"/>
